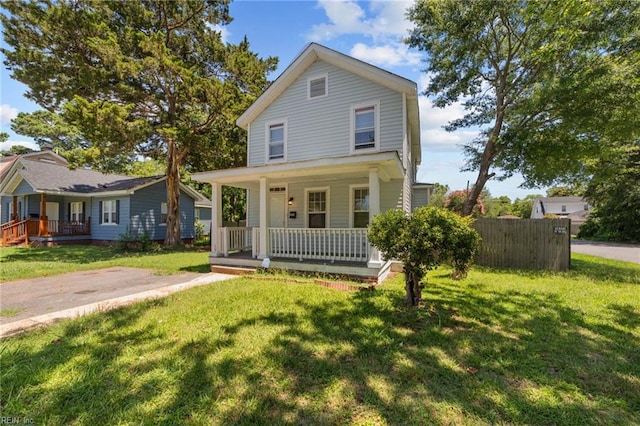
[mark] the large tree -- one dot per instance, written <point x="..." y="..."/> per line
<point x="614" y="193"/>
<point x="136" y="77"/>
<point x="549" y="83"/>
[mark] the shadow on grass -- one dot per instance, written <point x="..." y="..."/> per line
<point x="201" y="269"/>
<point x="66" y="254"/>
<point x="469" y="356"/>
<point x="593" y="269"/>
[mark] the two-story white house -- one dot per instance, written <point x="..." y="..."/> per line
<point x="331" y="143"/>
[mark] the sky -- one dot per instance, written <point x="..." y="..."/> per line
<point x="370" y="31"/>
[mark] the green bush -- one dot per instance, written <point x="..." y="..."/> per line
<point x="422" y="241"/>
<point x="128" y="241"/>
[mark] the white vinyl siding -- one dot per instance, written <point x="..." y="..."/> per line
<point x="322" y="127"/>
<point x="339" y="200"/>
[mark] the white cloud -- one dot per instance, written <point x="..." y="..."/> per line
<point x="383" y="19"/>
<point x="386" y="56"/>
<point x="224" y="32"/>
<point x="7" y="113"/>
<point x="391" y="17"/>
<point x="433" y="136"/>
<point x="5" y="146"/>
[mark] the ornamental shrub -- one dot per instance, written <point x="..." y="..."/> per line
<point x="422" y="241"/>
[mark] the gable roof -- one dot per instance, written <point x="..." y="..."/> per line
<point x="54" y="177"/>
<point x="45" y="156"/>
<point x="313" y="52"/>
<point x="561" y="200"/>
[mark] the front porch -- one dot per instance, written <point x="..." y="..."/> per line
<point x="41" y="226"/>
<point x="336" y="251"/>
<point x="309" y="215"/>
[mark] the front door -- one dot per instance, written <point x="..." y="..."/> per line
<point x="277" y="210"/>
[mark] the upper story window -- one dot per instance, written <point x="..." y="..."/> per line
<point x="564" y="209"/>
<point x="276" y="140"/>
<point x="365" y="126"/>
<point x="317" y="86"/>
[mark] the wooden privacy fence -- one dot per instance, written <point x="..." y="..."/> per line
<point x="524" y="243"/>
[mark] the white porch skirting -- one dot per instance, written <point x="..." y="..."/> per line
<point x="333" y="244"/>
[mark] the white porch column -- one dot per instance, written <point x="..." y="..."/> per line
<point x="374" y="208"/>
<point x="264" y="217"/>
<point x="216" y="219"/>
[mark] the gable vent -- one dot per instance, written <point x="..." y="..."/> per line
<point x="318" y="87"/>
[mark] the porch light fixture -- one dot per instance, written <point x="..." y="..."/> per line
<point x="290" y="200"/>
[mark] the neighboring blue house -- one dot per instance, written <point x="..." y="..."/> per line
<point x="40" y="196"/>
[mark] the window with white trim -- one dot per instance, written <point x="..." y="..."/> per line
<point x="75" y="212"/>
<point x="317" y="86"/>
<point x="276" y="139"/>
<point x="163" y="213"/>
<point x="109" y="212"/>
<point x="365" y="126"/>
<point x="360" y="207"/>
<point x="317" y="209"/>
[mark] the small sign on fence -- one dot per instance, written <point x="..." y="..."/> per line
<point x="559" y="229"/>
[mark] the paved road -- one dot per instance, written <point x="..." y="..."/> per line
<point x="43" y="300"/>
<point x="625" y="252"/>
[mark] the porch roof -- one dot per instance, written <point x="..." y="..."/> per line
<point x="388" y="164"/>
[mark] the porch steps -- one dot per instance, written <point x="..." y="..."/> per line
<point x="15" y="241"/>
<point x="233" y="270"/>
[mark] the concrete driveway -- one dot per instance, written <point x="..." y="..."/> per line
<point x="29" y="303"/>
<point x="616" y="251"/>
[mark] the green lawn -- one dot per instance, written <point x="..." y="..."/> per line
<point x="22" y="262"/>
<point x="498" y="347"/>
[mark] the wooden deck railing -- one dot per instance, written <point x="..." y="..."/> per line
<point x="14" y="231"/>
<point x="69" y="227"/>
<point x="22" y="230"/>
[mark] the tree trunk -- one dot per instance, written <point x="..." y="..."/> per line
<point x="490" y="150"/>
<point x="413" y="288"/>
<point x="172" y="236"/>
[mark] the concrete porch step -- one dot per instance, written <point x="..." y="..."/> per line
<point x="233" y="270"/>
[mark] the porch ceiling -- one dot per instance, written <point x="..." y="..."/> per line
<point x="388" y="165"/>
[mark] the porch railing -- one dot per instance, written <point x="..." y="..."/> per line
<point x="14" y="231"/>
<point x="234" y="240"/>
<point x="342" y="244"/>
<point x="69" y="227"/>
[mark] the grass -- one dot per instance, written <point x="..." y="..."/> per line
<point x="499" y="347"/>
<point x="20" y="262"/>
<point x="10" y="312"/>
